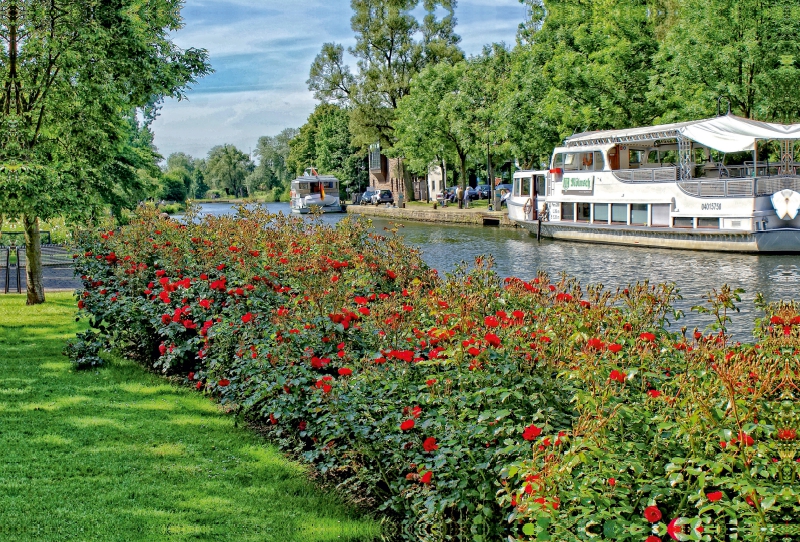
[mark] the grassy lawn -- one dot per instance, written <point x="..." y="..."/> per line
<point x="120" y="454"/>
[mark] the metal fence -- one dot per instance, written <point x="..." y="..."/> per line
<point x="13" y="259"/>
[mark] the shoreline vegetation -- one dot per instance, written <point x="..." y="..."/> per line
<point x="465" y="407"/>
<point x="118" y="453"/>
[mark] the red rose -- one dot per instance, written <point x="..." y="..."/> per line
<point x="649" y="337"/>
<point x="247" y="317"/>
<point x="652" y="538"/>
<point x="673" y="529"/>
<point x="612" y="482"/>
<point x="614" y="347"/>
<point x="407" y="425"/>
<point x="345" y="371"/>
<point x="531" y="432"/>
<point x="430" y="445"/>
<point x="652" y="514"/>
<point x="224" y="382"/>
<point x="594" y="344"/>
<point x="491" y="321"/>
<point x="618" y="376"/>
<point x="654" y="393"/>
<point x="492" y="339"/>
<point x="191" y="376"/>
<point x="714" y="496"/>
<point x="430" y="381"/>
<point x="426" y="478"/>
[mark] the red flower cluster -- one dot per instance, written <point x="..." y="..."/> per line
<point x="531" y="432"/>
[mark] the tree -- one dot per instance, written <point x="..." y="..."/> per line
<point x="227" y="168"/>
<point x="272" y="153"/>
<point x="743" y="50"/>
<point x="433" y="119"/>
<point x="392" y="46"/>
<point x="581" y="65"/>
<point x="325" y="142"/>
<point x="70" y="73"/>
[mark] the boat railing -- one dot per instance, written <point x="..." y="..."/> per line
<point x="740" y="188"/>
<point x="647" y="175"/>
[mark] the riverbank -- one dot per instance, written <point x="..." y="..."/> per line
<point x="423" y="212"/>
<point x="118" y="453"/>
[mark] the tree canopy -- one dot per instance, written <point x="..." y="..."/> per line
<point x="392" y="46"/>
<point x="71" y="73"/>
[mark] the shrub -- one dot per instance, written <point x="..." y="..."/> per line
<point x="469" y="407"/>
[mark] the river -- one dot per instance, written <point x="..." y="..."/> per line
<point x="517" y="254"/>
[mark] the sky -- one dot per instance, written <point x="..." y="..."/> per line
<point x="261" y="51"/>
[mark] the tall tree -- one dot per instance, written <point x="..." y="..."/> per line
<point x="325" y="142"/>
<point x="435" y="118"/>
<point x="743" y="50"/>
<point x="580" y="65"/>
<point x="227" y="168"/>
<point x="392" y="46"/>
<point x="70" y="73"/>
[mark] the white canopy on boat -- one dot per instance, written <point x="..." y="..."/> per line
<point x="728" y="133"/>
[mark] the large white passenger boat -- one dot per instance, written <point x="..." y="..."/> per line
<point x="314" y="190"/>
<point x="690" y="185"/>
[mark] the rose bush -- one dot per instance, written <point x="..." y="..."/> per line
<point x="469" y="407"/>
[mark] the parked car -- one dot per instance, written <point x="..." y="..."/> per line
<point x="484" y="191"/>
<point x="384" y="196"/>
<point x="366" y="197"/>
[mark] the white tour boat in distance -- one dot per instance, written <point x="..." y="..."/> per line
<point x="671" y="186"/>
<point x="314" y="190"/>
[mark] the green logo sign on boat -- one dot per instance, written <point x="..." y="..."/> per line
<point x="572" y="184"/>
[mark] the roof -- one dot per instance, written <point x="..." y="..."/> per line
<point x="727" y="133"/>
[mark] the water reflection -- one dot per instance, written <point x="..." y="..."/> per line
<point x="517" y="254"/>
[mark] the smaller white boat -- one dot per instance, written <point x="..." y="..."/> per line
<point x="315" y="190"/>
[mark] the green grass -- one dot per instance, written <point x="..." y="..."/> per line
<point x="121" y="454"/>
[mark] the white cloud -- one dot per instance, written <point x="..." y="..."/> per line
<point x="238" y="118"/>
<point x="262" y="52"/>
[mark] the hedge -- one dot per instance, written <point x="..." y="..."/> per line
<point x="467" y="407"/>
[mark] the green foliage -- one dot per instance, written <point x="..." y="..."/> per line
<point x="73" y="73"/>
<point x="392" y="46"/>
<point x="227" y="169"/>
<point x="745" y="51"/>
<point x="173" y="187"/>
<point x="325" y="141"/>
<point x="471" y="407"/>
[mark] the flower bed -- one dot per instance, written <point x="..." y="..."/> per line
<point x="470" y="407"/>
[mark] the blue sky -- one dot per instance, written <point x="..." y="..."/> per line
<point x="262" y="50"/>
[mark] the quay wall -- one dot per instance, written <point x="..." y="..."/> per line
<point x="470" y="217"/>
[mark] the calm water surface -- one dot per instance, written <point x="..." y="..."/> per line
<point x="517" y="254"/>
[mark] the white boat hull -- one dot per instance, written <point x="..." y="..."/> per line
<point x="779" y="240"/>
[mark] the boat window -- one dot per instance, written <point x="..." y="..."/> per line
<point x="635" y="156"/>
<point x="303" y="186"/>
<point x="314" y="187"/>
<point x="683" y="222"/>
<point x="639" y="214"/>
<point x="579" y="161"/>
<point x="652" y="157"/>
<point x="540" y="185"/>
<point x="704" y="222"/>
<point x="525" y="187"/>
<point x="330" y="184"/>
<point x="601" y="212"/>
<point x="619" y="213"/>
<point x="515" y="187"/>
<point x="568" y="212"/>
<point x="583" y="212"/>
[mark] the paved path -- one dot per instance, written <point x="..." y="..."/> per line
<point x="55" y="278"/>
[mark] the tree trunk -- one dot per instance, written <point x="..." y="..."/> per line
<point x="463" y="181"/>
<point x="33" y="257"/>
<point x="408" y="182"/>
